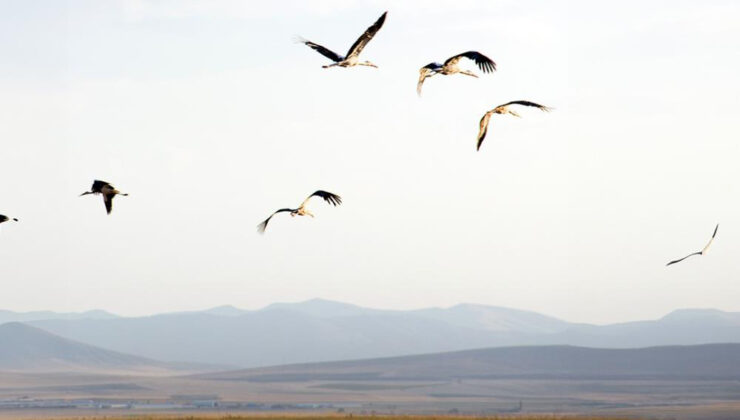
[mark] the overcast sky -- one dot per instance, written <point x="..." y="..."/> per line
<point x="211" y="118"/>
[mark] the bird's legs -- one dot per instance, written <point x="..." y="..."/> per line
<point x="468" y="73"/>
<point x="367" y="63"/>
<point x="514" y="113"/>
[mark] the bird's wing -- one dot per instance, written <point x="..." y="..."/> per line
<point x="703" y="251"/>
<point x="527" y="103"/>
<point x="262" y="226"/>
<point x="98" y="185"/>
<point x="483" y="128"/>
<point x="330" y="198"/>
<point x="484" y="63"/>
<point x="678" y="261"/>
<point x="424" y="72"/>
<point x="108" y="200"/>
<point x="357" y="47"/>
<point x="322" y="50"/>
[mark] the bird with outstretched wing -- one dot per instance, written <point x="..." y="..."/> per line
<point x="301" y="210"/>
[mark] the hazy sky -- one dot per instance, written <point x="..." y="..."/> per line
<point x="211" y="118"/>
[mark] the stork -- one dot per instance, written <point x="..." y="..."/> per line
<point x="503" y="109"/>
<point x="352" y="58"/>
<point x="451" y="67"/>
<point x="107" y="190"/>
<point x="4" y="218"/>
<point x="702" y="252"/>
<point x="330" y="198"/>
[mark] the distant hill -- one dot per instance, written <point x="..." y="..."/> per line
<point x="320" y="330"/>
<point x="10" y="316"/>
<point x="703" y="362"/>
<point x="24" y="348"/>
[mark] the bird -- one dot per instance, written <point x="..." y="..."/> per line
<point x="352" y="57"/>
<point x="702" y="252"/>
<point x="503" y="109"/>
<point x="450" y="67"/>
<point x="330" y="198"/>
<point x="4" y="218"/>
<point x="107" y="190"/>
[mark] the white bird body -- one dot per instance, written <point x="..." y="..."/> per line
<point x="503" y="110"/>
<point x="702" y="252"/>
<point x="301" y="210"/>
<point x="352" y="58"/>
<point x="450" y="66"/>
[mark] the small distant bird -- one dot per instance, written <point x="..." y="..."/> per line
<point x="4" y="218"/>
<point x="450" y="67"/>
<point x="107" y="190"/>
<point x="352" y="58"/>
<point x="503" y="109"/>
<point x="330" y="198"/>
<point x="702" y="252"/>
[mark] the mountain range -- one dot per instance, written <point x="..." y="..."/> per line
<point x="320" y="330"/>
<point x="700" y="362"/>
<point x="28" y="349"/>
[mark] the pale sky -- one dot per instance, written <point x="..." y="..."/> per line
<point x="211" y="118"/>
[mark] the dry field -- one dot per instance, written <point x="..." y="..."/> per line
<point x="298" y="416"/>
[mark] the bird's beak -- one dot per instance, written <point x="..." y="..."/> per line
<point x="85" y="193"/>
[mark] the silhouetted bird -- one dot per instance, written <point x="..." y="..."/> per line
<point x="108" y="192"/>
<point x="503" y="109"/>
<point x="4" y="218"/>
<point x="450" y="67"/>
<point x="352" y="58"/>
<point x="330" y="198"/>
<point x="702" y="252"/>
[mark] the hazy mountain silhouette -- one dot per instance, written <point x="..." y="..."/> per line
<point x="709" y="361"/>
<point x="10" y="316"/>
<point x="26" y="348"/>
<point x="320" y="330"/>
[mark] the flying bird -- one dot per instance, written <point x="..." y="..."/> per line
<point x="503" y="109"/>
<point x="4" y="218"/>
<point x="107" y="190"/>
<point x="450" y="67"/>
<point x="702" y="252"/>
<point x="330" y="198"/>
<point x="352" y="57"/>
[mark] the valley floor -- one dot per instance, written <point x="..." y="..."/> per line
<point x="95" y="395"/>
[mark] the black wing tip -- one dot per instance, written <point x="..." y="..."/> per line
<point x="263" y="226"/>
<point x="715" y="231"/>
<point x="329" y="197"/>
